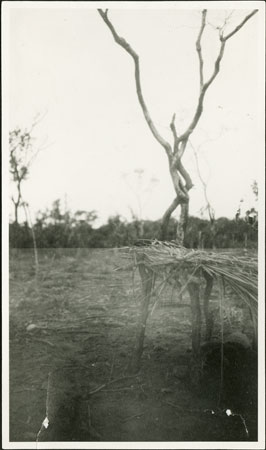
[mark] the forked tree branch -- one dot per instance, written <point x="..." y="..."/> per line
<point x="173" y="129"/>
<point x="224" y="38"/>
<point x="206" y="85"/>
<point x="125" y="45"/>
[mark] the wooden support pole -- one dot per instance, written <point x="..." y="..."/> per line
<point x="147" y="279"/>
<point x="207" y="313"/>
<point x="195" y="369"/>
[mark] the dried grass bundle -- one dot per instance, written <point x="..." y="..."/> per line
<point x="239" y="272"/>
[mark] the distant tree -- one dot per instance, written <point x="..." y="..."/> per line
<point x="255" y="189"/>
<point x="252" y="213"/>
<point x="22" y="152"/>
<point x="62" y="228"/>
<point x="20" y="143"/>
<point x="115" y="231"/>
<point x="198" y="233"/>
<point x="249" y="218"/>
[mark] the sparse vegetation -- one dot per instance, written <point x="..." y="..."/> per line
<point x="82" y="319"/>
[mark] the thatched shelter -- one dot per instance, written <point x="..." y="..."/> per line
<point x="161" y="263"/>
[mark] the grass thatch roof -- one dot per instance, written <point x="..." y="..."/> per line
<point x="239" y="272"/>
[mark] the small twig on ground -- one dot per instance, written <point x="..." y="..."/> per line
<point x="99" y="316"/>
<point x="24" y="423"/>
<point x="28" y="389"/>
<point x="231" y="413"/>
<point x="142" y="388"/>
<point x="45" y="275"/>
<point x="190" y="411"/>
<point x="221" y="311"/>
<point x="65" y="330"/>
<point x="100" y="388"/>
<point x="83" y="298"/>
<point x="118" y="390"/>
<point x="91" y="336"/>
<point x="43" y="341"/>
<point x="89" y="415"/>
<point x="133" y="417"/>
<point x="173" y="405"/>
<point x="112" y="367"/>
<point x="92" y="431"/>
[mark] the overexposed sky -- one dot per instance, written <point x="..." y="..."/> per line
<point x="64" y="64"/>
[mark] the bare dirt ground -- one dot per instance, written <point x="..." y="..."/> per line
<point x="78" y="322"/>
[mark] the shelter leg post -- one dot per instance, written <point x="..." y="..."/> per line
<point x="147" y="279"/>
<point x="195" y="369"/>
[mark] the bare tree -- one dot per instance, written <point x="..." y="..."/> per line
<point x="22" y="153"/>
<point x="181" y="181"/>
<point x="180" y="177"/>
<point x="20" y="144"/>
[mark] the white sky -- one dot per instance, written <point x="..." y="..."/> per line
<point x="63" y="61"/>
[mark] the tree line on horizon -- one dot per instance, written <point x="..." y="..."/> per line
<point x="56" y="228"/>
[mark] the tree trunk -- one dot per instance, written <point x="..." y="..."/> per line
<point x="166" y="219"/>
<point x="182" y="224"/>
<point x="141" y="229"/>
<point x="16" y="205"/>
<point x="246" y="240"/>
<point x="31" y="226"/>
<point x="213" y="233"/>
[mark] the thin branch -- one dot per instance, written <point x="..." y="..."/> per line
<point x="100" y="388"/>
<point x="198" y="46"/>
<point x="28" y="219"/>
<point x="204" y="184"/>
<point x="123" y="43"/>
<point x="216" y="67"/>
<point x="173" y="129"/>
<point x="216" y="70"/>
<point x="224" y="38"/>
<point x="133" y="417"/>
<point x="37" y="119"/>
<point x="205" y="86"/>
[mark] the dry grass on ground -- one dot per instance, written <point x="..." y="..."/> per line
<point x="80" y="317"/>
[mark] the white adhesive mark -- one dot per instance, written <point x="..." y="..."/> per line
<point x="209" y="411"/>
<point x="31" y="327"/>
<point x="46" y="422"/>
<point x="230" y="413"/>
